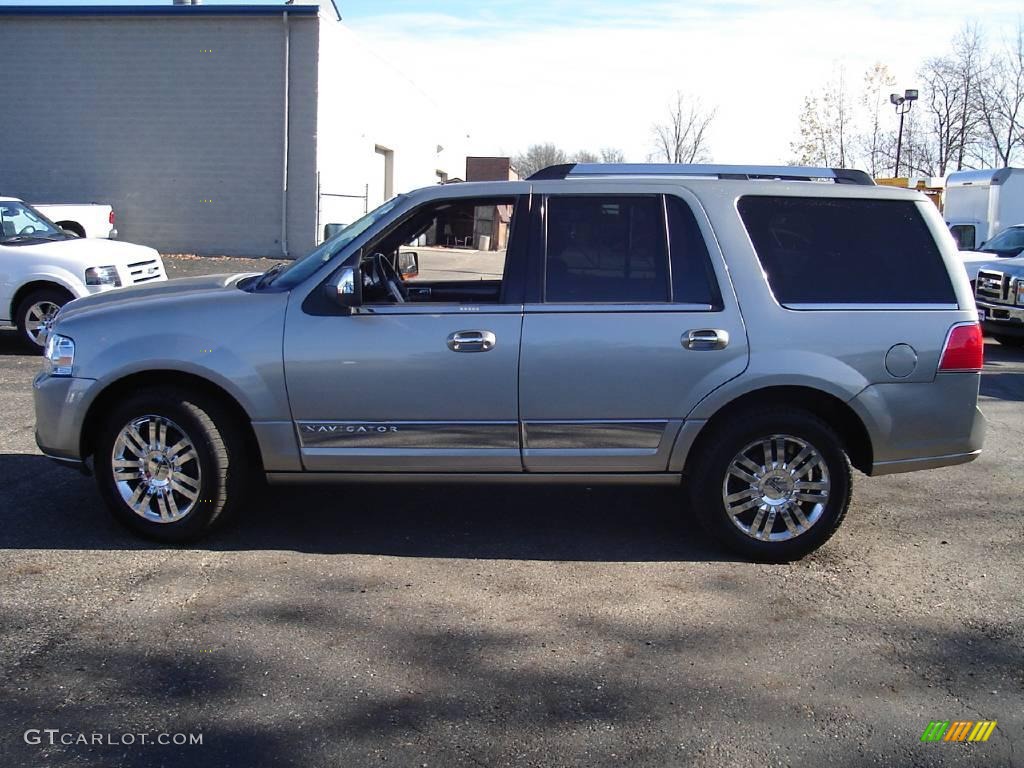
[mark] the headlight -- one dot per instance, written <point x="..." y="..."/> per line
<point x="59" y="357"/>
<point x="1020" y="291"/>
<point x="102" y="276"/>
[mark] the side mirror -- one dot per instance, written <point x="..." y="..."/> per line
<point x="408" y="265"/>
<point x="345" y="288"/>
<point x="330" y="230"/>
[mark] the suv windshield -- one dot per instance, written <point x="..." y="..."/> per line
<point x="294" y="273"/>
<point x="20" y="222"/>
<point x="1007" y="240"/>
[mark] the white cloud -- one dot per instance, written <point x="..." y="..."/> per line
<point x="603" y="80"/>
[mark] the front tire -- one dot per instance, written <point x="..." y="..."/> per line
<point x="171" y="464"/>
<point x="771" y="485"/>
<point x="35" y="314"/>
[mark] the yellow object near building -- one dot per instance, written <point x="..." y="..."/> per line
<point x="933" y="193"/>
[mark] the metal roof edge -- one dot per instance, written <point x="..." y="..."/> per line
<point x="158" y="10"/>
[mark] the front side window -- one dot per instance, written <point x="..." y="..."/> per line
<point x="846" y="251"/>
<point x="447" y="251"/>
<point x="608" y="249"/>
<point x="19" y="222"/>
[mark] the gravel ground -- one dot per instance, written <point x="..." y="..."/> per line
<point x="448" y="626"/>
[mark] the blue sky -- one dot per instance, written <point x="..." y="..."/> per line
<point x="588" y="74"/>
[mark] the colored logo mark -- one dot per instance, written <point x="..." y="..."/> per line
<point x="958" y="730"/>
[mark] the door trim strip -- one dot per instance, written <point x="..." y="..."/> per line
<point x="480" y="435"/>
<point x="594" y="434"/>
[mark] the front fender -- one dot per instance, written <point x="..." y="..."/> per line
<point x="64" y="278"/>
<point x="233" y="341"/>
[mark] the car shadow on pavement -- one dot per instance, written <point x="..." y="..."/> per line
<point x="11" y="344"/>
<point x="48" y="506"/>
<point x="1003" y="376"/>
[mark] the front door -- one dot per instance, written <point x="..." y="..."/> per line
<point x="632" y="331"/>
<point x="423" y="384"/>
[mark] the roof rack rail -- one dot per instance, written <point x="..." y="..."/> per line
<point x="741" y="172"/>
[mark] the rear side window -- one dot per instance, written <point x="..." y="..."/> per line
<point x="606" y="249"/>
<point x="693" y="279"/>
<point x="845" y="251"/>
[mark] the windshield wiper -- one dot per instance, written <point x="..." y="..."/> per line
<point x="267" y="276"/>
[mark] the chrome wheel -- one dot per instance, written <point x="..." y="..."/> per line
<point x="156" y="469"/>
<point x="776" y="488"/>
<point x="38" y="320"/>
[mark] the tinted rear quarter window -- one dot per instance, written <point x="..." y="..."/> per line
<point x="846" y="251"/>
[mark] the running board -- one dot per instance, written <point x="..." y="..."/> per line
<point x="607" y="478"/>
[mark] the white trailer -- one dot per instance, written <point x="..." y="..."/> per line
<point x="980" y="204"/>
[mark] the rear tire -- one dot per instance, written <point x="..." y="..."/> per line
<point x="35" y="313"/>
<point x="1009" y="341"/>
<point x="772" y="507"/>
<point x="171" y="464"/>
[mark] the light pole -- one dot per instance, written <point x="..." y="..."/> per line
<point x="903" y="104"/>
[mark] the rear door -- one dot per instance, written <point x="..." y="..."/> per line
<point x="635" y="323"/>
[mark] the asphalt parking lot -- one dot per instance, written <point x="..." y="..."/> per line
<point x="447" y="626"/>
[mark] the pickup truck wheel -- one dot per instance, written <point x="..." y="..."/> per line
<point x="772" y="486"/>
<point x="170" y="464"/>
<point x="35" y="314"/>
<point x="1009" y="341"/>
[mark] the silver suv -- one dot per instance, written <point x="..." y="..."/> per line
<point x="746" y="333"/>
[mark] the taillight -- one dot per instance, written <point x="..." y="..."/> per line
<point x="964" y="349"/>
<point x="110" y="218"/>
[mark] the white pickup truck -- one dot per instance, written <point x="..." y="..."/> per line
<point x="42" y="268"/>
<point x="85" y="220"/>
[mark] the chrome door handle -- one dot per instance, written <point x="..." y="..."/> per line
<point x="471" y="341"/>
<point x="706" y="338"/>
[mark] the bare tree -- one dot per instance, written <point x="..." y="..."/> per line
<point x="612" y="155"/>
<point x="683" y="138"/>
<point x="826" y="126"/>
<point x="583" y="156"/>
<point x="951" y="86"/>
<point x="918" y="156"/>
<point x="968" y="55"/>
<point x="536" y="157"/>
<point x="875" y="139"/>
<point x="942" y="108"/>
<point x="1000" y="103"/>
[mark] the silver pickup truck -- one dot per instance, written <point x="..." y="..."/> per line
<point x="999" y="294"/>
<point x="745" y="333"/>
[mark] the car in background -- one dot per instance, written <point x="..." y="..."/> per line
<point x="999" y="295"/>
<point x="42" y="268"/>
<point x="1006" y="245"/>
<point x="84" y="220"/>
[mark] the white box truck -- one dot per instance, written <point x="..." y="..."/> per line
<point x="981" y="204"/>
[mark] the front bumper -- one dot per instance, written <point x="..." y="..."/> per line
<point x="1001" y="319"/>
<point x="61" y="403"/>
